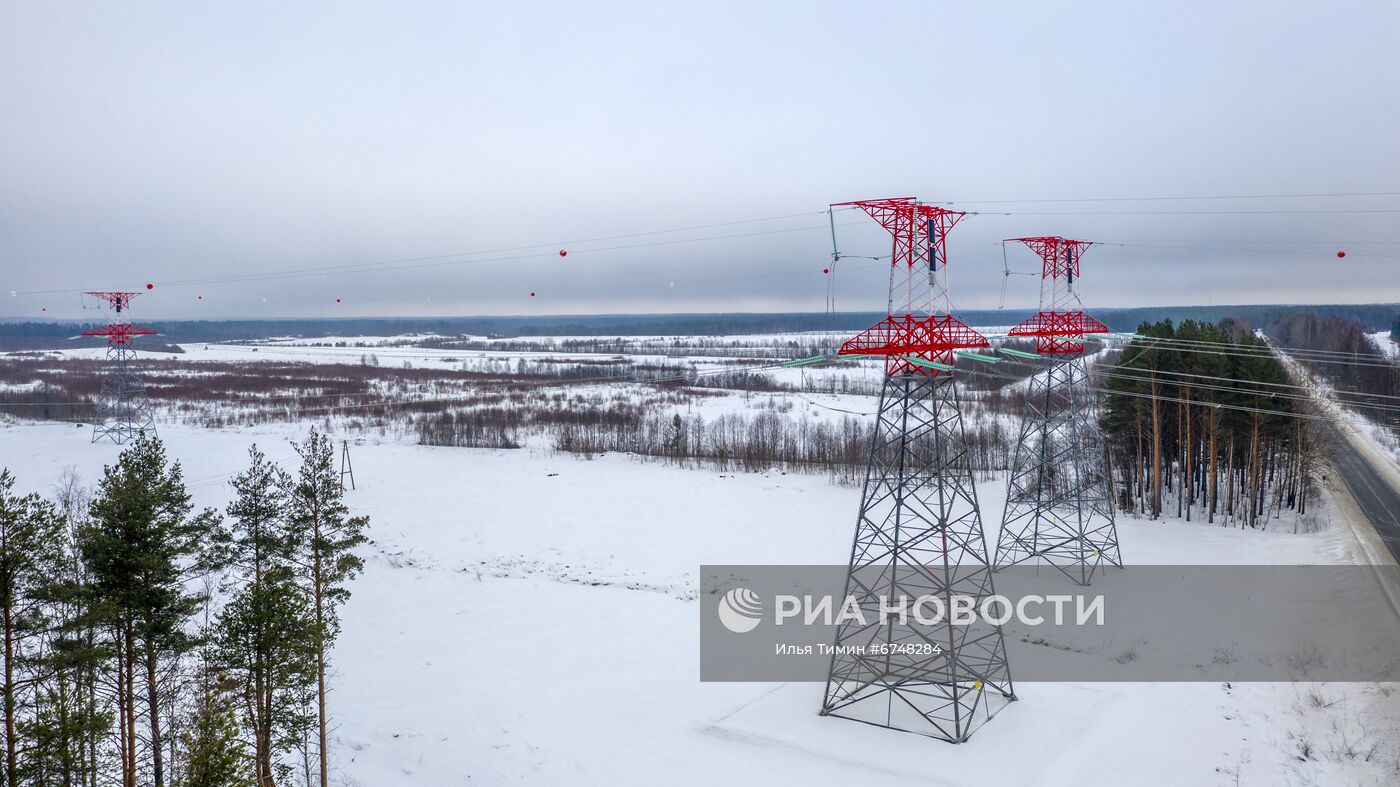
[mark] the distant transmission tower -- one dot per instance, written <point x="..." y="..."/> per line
<point x="123" y="411"/>
<point x="919" y="532"/>
<point x="1058" y="504"/>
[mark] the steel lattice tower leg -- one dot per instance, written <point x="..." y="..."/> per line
<point x="1059" y="507"/>
<point x="919" y="533"/>
<point x="123" y="410"/>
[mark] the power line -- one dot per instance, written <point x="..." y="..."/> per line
<point x="1295" y="253"/>
<point x="414" y="263"/>
<point x="1323" y="212"/>
<point x="1261" y="410"/>
<point x="1248" y="351"/>
<point x="1121" y="372"/>
<point x="1174" y="198"/>
<point x="1295" y="386"/>
<point x="1239" y="391"/>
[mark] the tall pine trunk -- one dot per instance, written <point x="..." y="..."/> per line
<point x="1213" y="421"/>
<point x="129" y="696"/>
<point x="153" y="702"/>
<point x="318" y="592"/>
<point x="1188" y="475"/>
<point x="11" y="755"/>
<point x="321" y="674"/>
<point x="1156" y="450"/>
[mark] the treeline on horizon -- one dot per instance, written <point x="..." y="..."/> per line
<point x="34" y="335"/>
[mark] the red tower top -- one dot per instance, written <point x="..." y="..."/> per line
<point x="1060" y="325"/>
<point x="119" y="331"/>
<point x="919" y="335"/>
<point x="117" y="300"/>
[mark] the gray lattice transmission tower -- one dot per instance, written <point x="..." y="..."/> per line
<point x="123" y="411"/>
<point x="919" y="532"/>
<point x="1058" y="504"/>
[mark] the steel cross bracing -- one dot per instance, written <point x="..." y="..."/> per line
<point x="123" y="409"/>
<point x="1059" y="506"/>
<point x="919" y="531"/>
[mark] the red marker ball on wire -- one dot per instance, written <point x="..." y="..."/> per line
<point x="563" y="252"/>
<point x="337" y="300"/>
<point x="826" y="270"/>
<point x="532" y="295"/>
<point x="1341" y="254"/>
<point x="150" y="286"/>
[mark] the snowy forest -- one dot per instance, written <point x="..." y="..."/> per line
<point x="1201" y="431"/>
<point x="1346" y="357"/>
<point x="149" y="643"/>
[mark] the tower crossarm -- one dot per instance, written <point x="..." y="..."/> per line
<point x="1058" y="333"/>
<point x="898" y="337"/>
<point x="120" y="332"/>
<point x="1059" y="256"/>
<point x="117" y="300"/>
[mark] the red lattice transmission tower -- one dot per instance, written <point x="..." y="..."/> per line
<point x="919" y="530"/>
<point x="1061" y="324"/>
<point x="919" y="326"/>
<point x="1059" y="508"/>
<point x="123" y="410"/>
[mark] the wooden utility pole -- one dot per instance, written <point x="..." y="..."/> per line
<point x="345" y="468"/>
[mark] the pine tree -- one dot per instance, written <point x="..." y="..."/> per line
<point x="140" y="546"/>
<point x="31" y="556"/>
<point x="324" y="539"/>
<point x="70" y="729"/>
<point x="265" y="637"/>
<point x="213" y="751"/>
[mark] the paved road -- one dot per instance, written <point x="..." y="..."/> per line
<point x="1376" y="497"/>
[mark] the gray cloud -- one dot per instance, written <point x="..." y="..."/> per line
<point x="165" y="143"/>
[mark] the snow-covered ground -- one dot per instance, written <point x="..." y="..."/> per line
<point x="1387" y="344"/>
<point x="529" y="617"/>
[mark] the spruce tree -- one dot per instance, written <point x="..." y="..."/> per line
<point x="141" y="546"/>
<point x="31" y="556"/>
<point x="324" y="537"/>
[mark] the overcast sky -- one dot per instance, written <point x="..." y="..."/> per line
<point x="186" y="142"/>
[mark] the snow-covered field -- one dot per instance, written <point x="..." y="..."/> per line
<point x="1387" y="344"/>
<point x="530" y="617"/>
